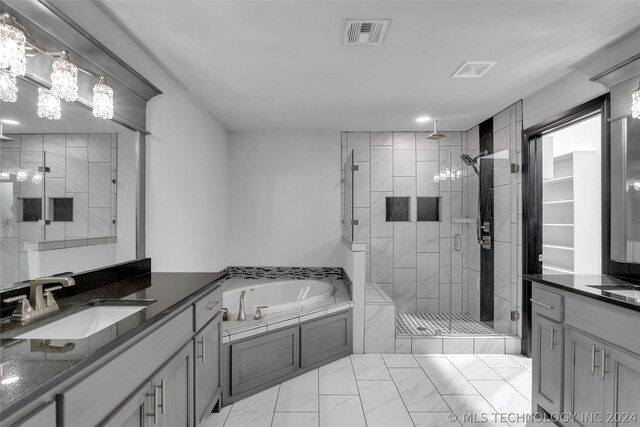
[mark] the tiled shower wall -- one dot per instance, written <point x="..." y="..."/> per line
<point x="82" y="167"/>
<point x="416" y="263"/>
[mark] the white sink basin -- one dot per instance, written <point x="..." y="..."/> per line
<point x="82" y="324"/>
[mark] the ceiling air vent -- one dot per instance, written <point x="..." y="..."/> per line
<point x="473" y="69"/>
<point x="361" y="32"/>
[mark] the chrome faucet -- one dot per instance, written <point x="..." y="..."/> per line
<point x="241" y="313"/>
<point x="36" y="306"/>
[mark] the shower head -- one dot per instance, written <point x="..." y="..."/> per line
<point x="473" y="161"/>
<point x="435" y="134"/>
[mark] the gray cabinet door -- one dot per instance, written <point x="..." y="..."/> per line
<point x="173" y="385"/>
<point x="584" y="387"/>
<point x="261" y="360"/>
<point x="547" y="363"/>
<point x="139" y="410"/>
<point x="622" y="388"/>
<point x="324" y="338"/>
<point x="207" y="367"/>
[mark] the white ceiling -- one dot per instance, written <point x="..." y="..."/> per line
<point x="281" y="66"/>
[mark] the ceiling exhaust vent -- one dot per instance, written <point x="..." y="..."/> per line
<point x="473" y="69"/>
<point x="360" y="32"/>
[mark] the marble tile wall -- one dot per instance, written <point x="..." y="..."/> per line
<point x="82" y="167"/>
<point x="414" y="262"/>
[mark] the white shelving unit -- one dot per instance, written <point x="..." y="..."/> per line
<point x="571" y="215"/>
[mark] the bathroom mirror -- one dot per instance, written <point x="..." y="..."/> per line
<point x="625" y="190"/>
<point x="67" y="190"/>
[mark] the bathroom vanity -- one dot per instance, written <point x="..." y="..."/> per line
<point x="157" y="366"/>
<point x="586" y="349"/>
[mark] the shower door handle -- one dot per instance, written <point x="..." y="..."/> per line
<point x="458" y="242"/>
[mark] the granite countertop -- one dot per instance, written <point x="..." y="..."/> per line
<point x="33" y="366"/>
<point x="613" y="290"/>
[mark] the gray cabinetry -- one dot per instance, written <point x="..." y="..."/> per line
<point x="139" y="410"/>
<point x="621" y="386"/>
<point x="586" y="360"/>
<point x="86" y="402"/>
<point x="173" y="390"/>
<point x="262" y="359"/>
<point x="547" y="359"/>
<point x="255" y="363"/>
<point x="207" y="350"/>
<point x="584" y="385"/>
<point x="325" y="338"/>
<point x="44" y="416"/>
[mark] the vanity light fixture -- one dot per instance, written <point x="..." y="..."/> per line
<point x="635" y="105"/>
<point x="423" y="119"/>
<point x="64" y="78"/>
<point x="14" y="49"/>
<point x="10" y="122"/>
<point x="13" y="56"/>
<point x="48" y="105"/>
<point x="8" y="87"/>
<point x="102" y="99"/>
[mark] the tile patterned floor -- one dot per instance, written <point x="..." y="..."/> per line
<point x="447" y="324"/>
<point x="392" y="390"/>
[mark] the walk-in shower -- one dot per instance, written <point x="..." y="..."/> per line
<point x="439" y="216"/>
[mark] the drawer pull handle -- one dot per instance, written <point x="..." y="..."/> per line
<point x="603" y="363"/>
<point x="593" y="358"/>
<point x="203" y="355"/>
<point x="213" y="305"/>
<point x="155" y="405"/>
<point x="164" y="391"/>
<point x="541" y="304"/>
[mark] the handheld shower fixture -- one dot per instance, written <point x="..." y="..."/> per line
<point x="473" y="161"/>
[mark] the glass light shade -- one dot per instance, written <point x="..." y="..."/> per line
<point x="48" y="105"/>
<point x="5" y="175"/>
<point x="64" y="79"/>
<point x="635" y="106"/>
<point x="12" y="47"/>
<point x="102" y="100"/>
<point x="36" y="179"/>
<point x="8" y="88"/>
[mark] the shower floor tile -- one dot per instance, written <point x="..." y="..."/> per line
<point x="445" y="323"/>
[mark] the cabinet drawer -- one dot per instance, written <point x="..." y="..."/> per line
<point x="44" y="416"/>
<point x="258" y="361"/>
<point x="207" y="307"/>
<point x="324" y="338"/>
<point x="547" y="304"/>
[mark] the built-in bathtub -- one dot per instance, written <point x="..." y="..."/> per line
<point x="306" y="324"/>
<point x="277" y="296"/>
